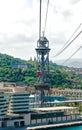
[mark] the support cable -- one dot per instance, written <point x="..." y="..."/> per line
<point x="46" y="17"/>
<point x="63" y="48"/>
<point x="69" y="43"/>
<point x="73" y="34"/>
<point x="40" y="20"/>
<point x="72" y="55"/>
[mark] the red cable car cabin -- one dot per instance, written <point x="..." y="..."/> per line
<point x="39" y="73"/>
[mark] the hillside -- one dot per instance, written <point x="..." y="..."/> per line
<point x="25" y="72"/>
<point x="7" y="61"/>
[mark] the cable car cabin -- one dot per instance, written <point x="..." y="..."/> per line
<point x="39" y="73"/>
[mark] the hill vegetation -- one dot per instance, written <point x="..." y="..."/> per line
<point x="58" y="77"/>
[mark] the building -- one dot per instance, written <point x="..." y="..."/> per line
<point x="34" y="101"/>
<point x="53" y="115"/>
<point x="68" y="93"/>
<point x="18" y="101"/>
<point x="14" y="106"/>
<point x="21" y="66"/>
<point x="3" y="105"/>
<point x="18" y="109"/>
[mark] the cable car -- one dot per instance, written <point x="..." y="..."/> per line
<point x="39" y="73"/>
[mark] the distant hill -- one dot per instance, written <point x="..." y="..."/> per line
<point x="6" y="60"/>
<point x="54" y="65"/>
<point x="76" y="63"/>
<point x="10" y="61"/>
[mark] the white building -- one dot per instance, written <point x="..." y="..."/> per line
<point x="14" y="106"/>
<point x="16" y="110"/>
<point x="18" y="101"/>
<point x="3" y="105"/>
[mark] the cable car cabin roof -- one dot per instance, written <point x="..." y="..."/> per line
<point x="53" y="108"/>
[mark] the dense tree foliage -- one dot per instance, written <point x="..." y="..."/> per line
<point x="6" y="60"/>
<point x="58" y="77"/>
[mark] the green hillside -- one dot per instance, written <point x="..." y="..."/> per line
<point x="10" y="70"/>
<point x="6" y="60"/>
<point x="21" y="71"/>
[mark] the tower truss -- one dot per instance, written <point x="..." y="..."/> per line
<point x="42" y="51"/>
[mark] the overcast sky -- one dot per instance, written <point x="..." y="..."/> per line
<point x="19" y="27"/>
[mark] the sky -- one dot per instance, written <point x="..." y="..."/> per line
<point x="19" y="27"/>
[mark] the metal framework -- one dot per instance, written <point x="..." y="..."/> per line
<point x="42" y="51"/>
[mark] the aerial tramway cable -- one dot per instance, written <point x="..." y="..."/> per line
<point x="46" y="17"/>
<point x="66" y="45"/>
<point x="73" y="34"/>
<point x="69" y="43"/>
<point x="72" y="55"/>
<point x="40" y="20"/>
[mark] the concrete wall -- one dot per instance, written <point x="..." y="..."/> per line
<point x="10" y="123"/>
<point x="55" y="119"/>
<point x="0" y="123"/>
<point x="27" y="119"/>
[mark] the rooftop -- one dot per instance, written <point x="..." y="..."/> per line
<point x="16" y="89"/>
<point x="53" y="108"/>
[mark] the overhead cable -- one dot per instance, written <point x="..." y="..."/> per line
<point x="72" y="34"/>
<point x="68" y="41"/>
<point x="69" y="44"/>
<point x="72" y="55"/>
<point x="40" y="20"/>
<point x="46" y="17"/>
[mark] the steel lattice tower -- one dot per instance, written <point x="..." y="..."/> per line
<point x="42" y="51"/>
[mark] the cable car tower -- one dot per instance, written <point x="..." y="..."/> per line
<point x="42" y="51"/>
